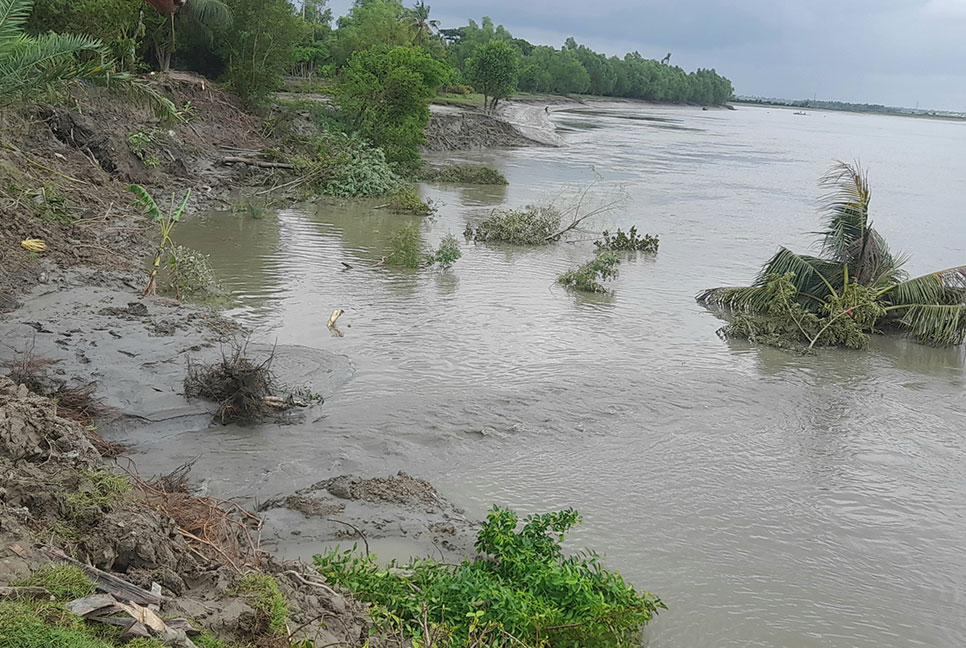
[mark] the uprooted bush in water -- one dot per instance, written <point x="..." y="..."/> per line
<point x="544" y="224"/>
<point x="521" y="591"/>
<point x="629" y="241"/>
<point x="407" y="249"/>
<point x="587" y="277"/>
<point x="463" y="174"/>
<point x="245" y="389"/>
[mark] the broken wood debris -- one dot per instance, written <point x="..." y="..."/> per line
<point x="134" y="620"/>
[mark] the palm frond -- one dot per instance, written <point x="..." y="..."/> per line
<point x="13" y="14"/>
<point x="814" y="278"/>
<point x="750" y="298"/>
<point x="938" y="324"/>
<point x="143" y="198"/>
<point x="932" y="288"/>
<point x="846" y="208"/>
<point x="210" y="13"/>
<point x="127" y="85"/>
<point x="873" y="264"/>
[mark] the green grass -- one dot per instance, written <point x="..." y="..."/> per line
<point x="262" y="594"/>
<point x="65" y="582"/>
<point x="467" y="100"/>
<point x="49" y="625"/>
<point x="105" y="492"/>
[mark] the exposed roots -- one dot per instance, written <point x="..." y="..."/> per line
<point x="217" y="530"/>
<point x="242" y="387"/>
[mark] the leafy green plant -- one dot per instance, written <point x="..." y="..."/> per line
<point x="103" y="492"/>
<point x="464" y="174"/>
<point x="857" y="279"/>
<point x="32" y="67"/>
<point x="587" y="277"/>
<point x="64" y="582"/>
<point x="532" y="225"/>
<point x="140" y="142"/>
<point x="521" y="591"/>
<point x="165" y="221"/>
<point x="190" y="273"/>
<point x="270" y="607"/>
<point x="407" y="201"/>
<point x="406" y="246"/>
<point x="348" y="167"/>
<point x="629" y="241"/>
<point x="446" y="254"/>
<point x="493" y="70"/>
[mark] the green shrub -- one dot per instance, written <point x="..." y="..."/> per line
<point x="348" y="167"/>
<point x="521" y="591"/>
<point x="532" y="225"/>
<point x="190" y="273"/>
<point x="406" y="247"/>
<point x="446" y="254"/>
<point x="587" y="277"/>
<point x="141" y="143"/>
<point x="262" y="593"/>
<point x="407" y="201"/>
<point x="464" y="174"/>
<point x="629" y="242"/>
<point x="65" y="582"/>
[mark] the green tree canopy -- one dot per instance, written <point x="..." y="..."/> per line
<point x="493" y="70"/>
<point x="385" y="92"/>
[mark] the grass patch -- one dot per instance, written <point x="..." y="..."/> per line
<point x="463" y="174"/>
<point x="587" y="277"/>
<point x="261" y="592"/>
<point x="468" y="100"/>
<point x="104" y="492"/>
<point x="50" y="625"/>
<point x="532" y="225"/>
<point x="65" y="582"/>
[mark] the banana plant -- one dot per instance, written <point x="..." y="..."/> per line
<point x="931" y="308"/>
<point x="165" y="221"/>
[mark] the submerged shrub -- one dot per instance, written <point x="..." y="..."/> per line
<point x="407" y="201"/>
<point x="446" y="254"/>
<point x="532" y="225"/>
<point x="190" y="273"/>
<point x="521" y="590"/>
<point x="406" y="247"/>
<point x="587" y="277"/>
<point x="243" y="388"/>
<point x="629" y="241"/>
<point x="464" y="174"/>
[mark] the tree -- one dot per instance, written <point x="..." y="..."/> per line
<point x="206" y="14"/>
<point x="384" y="94"/>
<point x="423" y="26"/>
<point x="855" y="273"/>
<point x="493" y="71"/>
<point x="34" y="66"/>
<point x="371" y="23"/>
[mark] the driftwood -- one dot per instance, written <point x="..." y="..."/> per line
<point x="259" y="163"/>
<point x="135" y="620"/>
<point x="110" y="583"/>
<point x="24" y="594"/>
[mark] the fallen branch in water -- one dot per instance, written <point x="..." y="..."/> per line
<point x="259" y="163"/>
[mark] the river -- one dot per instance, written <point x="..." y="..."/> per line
<point x="770" y="499"/>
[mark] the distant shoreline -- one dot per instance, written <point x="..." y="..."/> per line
<point x="853" y="109"/>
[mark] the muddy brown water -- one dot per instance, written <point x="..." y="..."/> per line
<point x="770" y="499"/>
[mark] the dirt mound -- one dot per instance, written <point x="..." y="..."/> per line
<point x="452" y="129"/>
<point x="64" y="171"/>
<point x="397" y="489"/>
<point x="31" y="431"/>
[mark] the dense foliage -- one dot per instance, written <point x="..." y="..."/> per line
<point x="521" y="591"/>
<point x="493" y="70"/>
<point x="588" y="277"/>
<point x="629" y="241"/>
<point x="856" y="285"/>
<point x="385" y="96"/>
<point x="532" y="225"/>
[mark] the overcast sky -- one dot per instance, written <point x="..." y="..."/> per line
<point x="894" y="52"/>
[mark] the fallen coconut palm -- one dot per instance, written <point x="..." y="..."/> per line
<point x="856" y="283"/>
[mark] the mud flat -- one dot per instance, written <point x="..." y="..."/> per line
<point x="515" y="124"/>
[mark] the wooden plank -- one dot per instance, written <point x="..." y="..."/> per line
<point x="120" y="588"/>
<point x="91" y="604"/>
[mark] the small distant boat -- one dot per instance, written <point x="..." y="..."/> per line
<point x="799" y="112"/>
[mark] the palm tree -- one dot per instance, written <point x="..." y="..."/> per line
<point x="422" y="25"/>
<point x="208" y="14"/>
<point x="932" y="308"/>
<point x="34" y="66"/>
